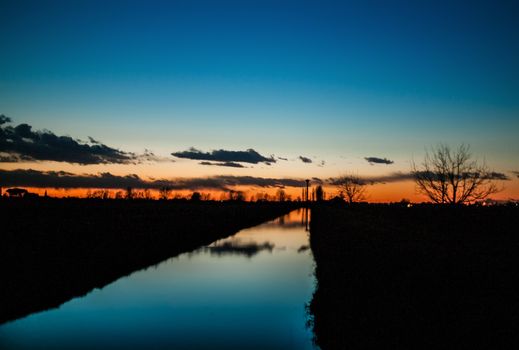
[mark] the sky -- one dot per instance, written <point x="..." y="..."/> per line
<point x="312" y="87"/>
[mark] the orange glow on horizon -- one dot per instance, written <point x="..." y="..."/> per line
<point x="378" y="193"/>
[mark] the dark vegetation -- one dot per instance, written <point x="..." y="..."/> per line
<point x="427" y="276"/>
<point x="52" y="250"/>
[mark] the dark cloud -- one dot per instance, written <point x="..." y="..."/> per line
<point x="61" y="179"/>
<point x="248" y="156"/>
<point x="377" y="160"/>
<point x="399" y="176"/>
<point x="496" y="176"/>
<point x="488" y="176"/>
<point x="317" y="180"/>
<point x="21" y="143"/>
<point x="393" y="177"/>
<point x="149" y="156"/>
<point x="305" y="159"/>
<point x="282" y="158"/>
<point x="4" y="119"/>
<point x="516" y="173"/>
<point x="226" y="164"/>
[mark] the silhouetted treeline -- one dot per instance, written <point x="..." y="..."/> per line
<point x="55" y="249"/>
<point x="427" y="276"/>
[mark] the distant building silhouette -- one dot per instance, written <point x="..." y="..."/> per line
<point x="17" y="192"/>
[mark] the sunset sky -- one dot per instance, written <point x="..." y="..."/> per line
<point x="316" y="89"/>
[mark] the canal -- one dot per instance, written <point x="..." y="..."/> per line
<point x="248" y="291"/>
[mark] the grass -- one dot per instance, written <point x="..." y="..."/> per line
<point x="421" y="277"/>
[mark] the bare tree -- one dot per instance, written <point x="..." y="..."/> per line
<point x="281" y="195"/>
<point x="147" y="194"/>
<point x="452" y="176"/>
<point x="130" y="193"/>
<point x="351" y="187"/>
<point x="164" y="192"/>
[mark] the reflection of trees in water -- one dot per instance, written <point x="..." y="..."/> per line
<point x="286" y="225"/>
<point x="298" y="218"/>
<point x="236" y="247"/>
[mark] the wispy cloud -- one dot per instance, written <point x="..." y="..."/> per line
<point x="221" y="155"/>
<point x="389" y="178"/>
<point x="496" y="176"/>
<point x="377" y="160"/>
<point x="20" y="144"/>
<point x="224" y="164"/>
<point x="317" y="180"/>
<point x="305" y="159"/>
<point x="407" y="176"/>
<point x="61" y="179"/>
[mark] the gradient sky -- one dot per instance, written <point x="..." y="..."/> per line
<point x="331" y="81"/>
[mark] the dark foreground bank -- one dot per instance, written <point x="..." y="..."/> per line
<point x="420" y="277"/>
<point x="54" y="250"/>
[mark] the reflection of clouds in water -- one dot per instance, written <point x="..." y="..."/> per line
<point x="239" y="248"/>
<point x="303" y="248"/>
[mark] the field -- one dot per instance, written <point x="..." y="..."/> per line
<point x="52" y="250"/>
<point x="394" y="277"/>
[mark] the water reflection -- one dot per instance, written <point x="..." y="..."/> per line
<point x="245" y="292"/>
<point x="236" y="246"/>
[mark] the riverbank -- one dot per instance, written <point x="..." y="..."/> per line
<point x="419" y="277"/>
<point x="55" y="249"/>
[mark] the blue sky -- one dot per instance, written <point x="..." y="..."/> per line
<point x="314" y="78"/>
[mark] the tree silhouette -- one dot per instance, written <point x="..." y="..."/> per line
<point x="164" y="192"/>
<point x="281" y="195"/>
<point x="130" y="194"/>
<point x="319" y="193"/>
<point x="237" y="196"/>
<point x="452" y="176"/>
<point x="352" y="188"/>
<point x="196" y="197"/>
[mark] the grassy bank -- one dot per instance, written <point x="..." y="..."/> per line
<point x="420" y="277"/>
<point x="53" y="250"/>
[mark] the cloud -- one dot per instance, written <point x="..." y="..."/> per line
<point x="61" y="179"/>
<point x="149" y="156"/>
<point x="305" y="159"/>
<point x="248" y="156"/>
<point x="497" y="176"/>
<point x="226" y="164"/>
<point x="377" y="160"/>
<point x="4" y="119"/>
<point x="408" y="176"/>
<point x="20" y="143"/>
<point x="317" y="180"/>
<point x="516" y="173"/>
<point x="393" y="177"/>
<point x="282" y="158"/>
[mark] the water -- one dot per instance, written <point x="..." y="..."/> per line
<point x="248" y="291"/>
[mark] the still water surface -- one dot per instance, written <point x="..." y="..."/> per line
<point x="247" y="291"/>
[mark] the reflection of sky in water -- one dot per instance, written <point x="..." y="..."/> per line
<point x="197" y="300"/>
